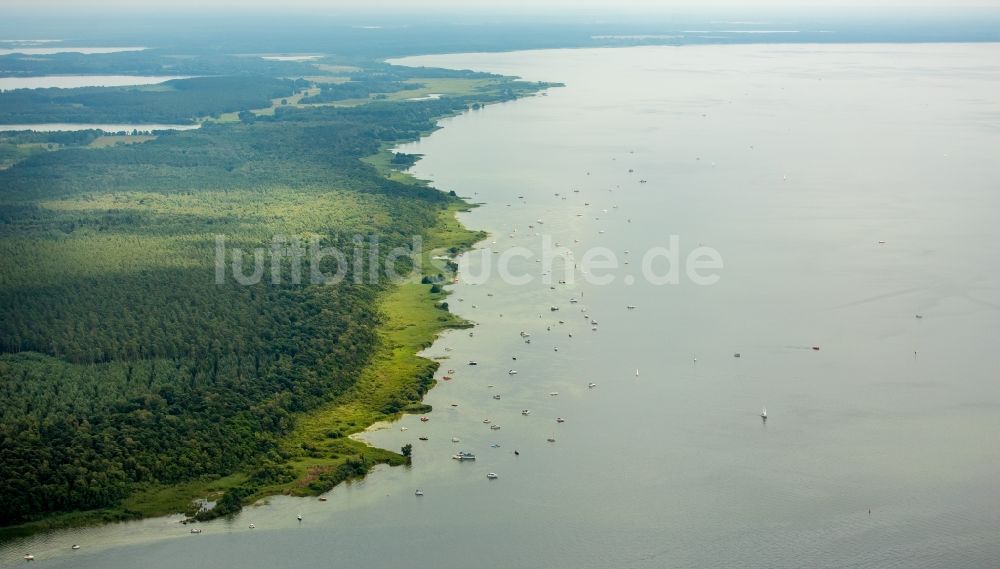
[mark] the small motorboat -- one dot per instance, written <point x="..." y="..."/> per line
<point x="322" y="499"/>
<point x="512" y="372"/>
<point x="591" y="385"/>
<point x="252" y="526"/>
<point x="525" y="412"/>
<point x="451" y="371"/>
<point x="551" y="439"/>
<point x="419" y="492"/>
<point x="736" y="355"/>
<point x="29" y="557"/>
<point x="446" y="377"/>
<point x="492" y="475"/>
<point x="560" y="420"/>
<point x="495" y="445"/>
<point x="494" y="427"/>
<point x="815" y="348"/>
<point x="422" y="438"/>
<point x="424" y="419"/>
<point x="553" y="393"/>
<point x="497" y="396"/>
<point x="454" y="439"/>
<point x="763" y="414"/>
<point x="195" y="530"/>
<point x="487" y="421"/>
<point x="404" y="428"/>
<point x="299" y="517"/>
<point x="472" y="363"/>
<point x="75" y="547"/>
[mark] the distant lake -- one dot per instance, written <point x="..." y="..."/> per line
<point x="73" y="81"/>
<point x="55" y="127"/>
<point x="65" y="49"/>
<point x="298" y="57"/>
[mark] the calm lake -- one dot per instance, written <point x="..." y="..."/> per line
<point x="53" y="127"/>
<point x="851" y="192"/>
<point x="74" y="81"/>
<point x="62" y="49"/>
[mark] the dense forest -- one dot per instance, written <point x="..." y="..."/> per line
<point x="177" y="101"/>
<point x="123" y="365"/>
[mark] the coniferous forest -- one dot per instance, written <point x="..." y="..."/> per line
<point x="123" y="365"/>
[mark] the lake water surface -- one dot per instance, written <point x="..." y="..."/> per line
<point x="30" y="49"/>
<point x="848" y="189"/>
<point x="74" y="81"/>
<point x="55" y="127"/>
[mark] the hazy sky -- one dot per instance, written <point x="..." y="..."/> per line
<point x="506" y="5"/>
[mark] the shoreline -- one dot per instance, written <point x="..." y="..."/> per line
<point x="414" y="320"/>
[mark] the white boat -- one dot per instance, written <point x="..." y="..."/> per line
<point x="195" y="530"/>
<point x="497" y="396"/>
<point x="454" y="439"/>
<point x="525" y="412"/>
<point x="763" y="413"/>
<point x="512" y="372"/>
<point x="637" y="372"/>
<point x="299" y="517"/>
<point x="252" y="526"/>
<point x="553" y="393"/>
<point x="75" y="547"/>
<point x="560" y="420"/>
<point x="492" y="476"/>
<point x="591" y="385"/>
<point x="29" y="557"/>
<point x="462" y="455"/>
<point x="486" y="421"/>
<point x="494" y="427"/>
<point x="419" y="492"/>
